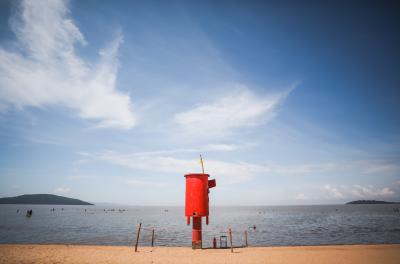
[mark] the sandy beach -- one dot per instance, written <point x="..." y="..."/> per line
<point x="17" y="253"/>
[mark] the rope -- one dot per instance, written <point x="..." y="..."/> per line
<point x="222" y="231"/>
<point x="156" y="235"/>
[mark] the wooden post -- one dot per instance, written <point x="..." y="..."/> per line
<point x="137" y="236"/>
<point x="245" y="237"/>
<point x="230" y="239"/>
<point x="152" y="238"/>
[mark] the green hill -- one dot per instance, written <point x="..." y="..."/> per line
<point x="42" y="199"/>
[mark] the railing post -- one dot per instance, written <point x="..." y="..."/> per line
<point x="230" y="239"/>
<point x="137" y="236"/>
<point x="245" y="236"/>
<point x="152" y="238"/>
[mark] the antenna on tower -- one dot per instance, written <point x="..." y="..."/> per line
<point x="202" y="163"/>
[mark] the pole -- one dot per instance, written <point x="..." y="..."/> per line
<point x="137" y="236"/>
<point x="202" y="163"/>
<point x="245" y="236"/>
<point x="152" y="238"/>
<point x="196" y="233"/>
<point x="230" y="239"/>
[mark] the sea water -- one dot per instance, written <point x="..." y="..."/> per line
<point x="265" y="225"/>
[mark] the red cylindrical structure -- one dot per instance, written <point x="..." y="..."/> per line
<point x="197" y="203"/>
<point x="196" y="232"/>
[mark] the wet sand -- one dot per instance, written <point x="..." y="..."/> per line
<point x="20" y="253"/>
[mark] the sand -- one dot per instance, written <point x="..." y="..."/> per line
<point x="18" y="253"/>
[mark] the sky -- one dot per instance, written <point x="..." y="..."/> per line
<point x="289" y="102"/>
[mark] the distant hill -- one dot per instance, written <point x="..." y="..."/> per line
<point x="42" y="199"/>
<point x="370" y="202"/>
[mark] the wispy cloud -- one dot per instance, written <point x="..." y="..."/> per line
<point x="372" y="192"/>
<point x="379" y="166"/>
<point x="43" y="141"/>
<point x="358" y="191"/>
<point x="62" y="190"/>
<point x="332" y="191"/>
<point x="83" y="177"/>
<point x="45" y="69"/>
<point x="301" y="197"/>
<point x="239" y="108"/>
<point x="145" y="182"/>
<point x="204" y="149"/>
<point x="220" y="147"/>
<point x="231" y="172"/>
<point x="227" y="172"/>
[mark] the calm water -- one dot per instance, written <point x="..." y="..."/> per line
<point x="275" y="225"/>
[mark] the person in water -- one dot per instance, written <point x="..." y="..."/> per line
<point x="29" y="213"/>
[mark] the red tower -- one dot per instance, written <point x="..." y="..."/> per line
<point x="196" y="203"/>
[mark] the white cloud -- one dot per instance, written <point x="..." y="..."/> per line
<point x="301" y="169"/>
<point x="83" y="177"/>
<point x="45" y="69"/>
<point x="227" y="172"/>
<point x="144" y="182"/>
<point x="371" y="192"/>
<point x="62" y="190"/>
<point x="357" y="167"/>
<point x="301" y="197"/>
<point x="360" y="192"/>
<point x="234" y="172"/>
<point x="332" y="191"/>
<point x="220" y="147"/>
<point x="240" y="108"/>
<point x="378" y="166"/>
<point x="43" y="141"/>
<point x="205" y="149"/>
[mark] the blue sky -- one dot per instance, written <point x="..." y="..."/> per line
<point x="113" y="101"/>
